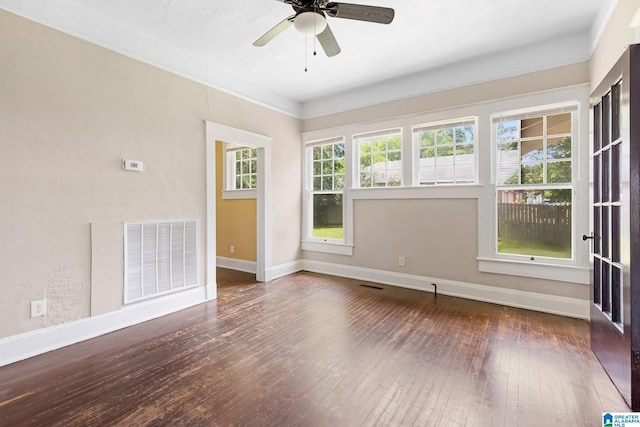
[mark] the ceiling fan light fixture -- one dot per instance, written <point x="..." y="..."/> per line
<point x="310" y="23"/>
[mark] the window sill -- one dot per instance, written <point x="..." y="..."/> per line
<point x="441" y="191"/>
<point x="561" y="273"/>
<point x="327" y="247"/>
<point x="239" y="194"/>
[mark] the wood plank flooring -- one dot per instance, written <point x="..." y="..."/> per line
<point x="313" y="350"/>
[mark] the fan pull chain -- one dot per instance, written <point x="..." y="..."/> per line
<point x="315" y="19"/>
<point x="305" y="54"/>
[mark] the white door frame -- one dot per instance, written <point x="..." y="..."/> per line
<point x="219" y="132"/>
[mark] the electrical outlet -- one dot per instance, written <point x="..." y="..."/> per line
<point x="38" y="308"/>
<point x="232" y="249"/>
<point x="401" y="261"/>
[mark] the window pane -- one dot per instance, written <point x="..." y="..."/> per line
<point x="535" y="223"/>
<point x="507" y="130"/>
<point x="317" y="153"/>
<point x="559" y="148"/>
<point x="531" y="173"/>
<point x="238" y="182"/>
<point x="317" y="183"/>
<point x="427" y="175"/>
<point x="444" y="136"/>
<point x="394" y="143"/>
<point x="558" y="124"/>
<point x="508" y="166"/>
<point x="245" y="166"/>
<point x="379" y="145"/>
<point x="531" y="127"/>
<point x="327" y="183"/>
<point x="427" y="138"/>
<point x="559" y="172"/>
<point x="365" y="179"/>
<point x="327" y="216"/>
<point x="338" y="166"/>
<point x="339" y="182"/>
<point x="427" y="153"/>
<point x="254" y="166"/>
<point x="365" y="147"/>
<point x="531" y="151"/>
<point x="327" y="167"/>
<point x="317" y="168"/>
<point x="464" y="149"/>
<point x="327" y="151"/>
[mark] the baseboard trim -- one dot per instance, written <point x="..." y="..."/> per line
<point x="285" y="269"/>
<point x="237" y="264"/>
<point x="564" y="306"/>
<point x="29" y="344"/>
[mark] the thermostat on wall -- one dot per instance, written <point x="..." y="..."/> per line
<point x="132" y="165"/>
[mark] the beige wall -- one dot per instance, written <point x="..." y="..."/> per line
<point x="615" y="38"/>
<point x="69" y="112"/>
<point x="437" y="237"/>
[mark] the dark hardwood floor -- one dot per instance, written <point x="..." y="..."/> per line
<point x="313" y="350"/>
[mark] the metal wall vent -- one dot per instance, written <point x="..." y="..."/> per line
<point x="160" y="257"/>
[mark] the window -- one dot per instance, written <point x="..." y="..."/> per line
<point x="380" y="159"/>
<point x="243" y="164"/>
<point x="534" y="184"/>
<point x="326" y="183"/>
<point x="446" y="152"/>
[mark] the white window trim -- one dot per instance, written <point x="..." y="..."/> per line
<point x="577" y="269"/>
<point x="229" y="192"/>
<point x="239" y="194"/>
<point x="333" y="246"/>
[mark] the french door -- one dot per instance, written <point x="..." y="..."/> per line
<point x="615" y="205"/>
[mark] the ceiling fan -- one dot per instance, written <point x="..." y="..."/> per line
<point x="310" y="19"/>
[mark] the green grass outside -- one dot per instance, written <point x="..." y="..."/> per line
<point x="532" y="249"/>
<point x="328" y="232"/>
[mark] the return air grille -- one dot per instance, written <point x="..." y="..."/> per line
<point x="160" y="257"/>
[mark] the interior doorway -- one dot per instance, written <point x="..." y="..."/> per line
<point x="218" y="132"/>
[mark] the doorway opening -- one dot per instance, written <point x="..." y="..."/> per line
<point x="262" y="144"/>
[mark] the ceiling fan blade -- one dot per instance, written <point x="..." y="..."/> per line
<point x="272" y="33"/>
<point x="328" y="42"/>
<point x="360" y="12"/>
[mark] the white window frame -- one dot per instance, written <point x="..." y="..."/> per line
<point x="338" y="246"/>
<point x="229" y="191"/>
<point x="357" y="139"/>
<point x="570" y="270"/>
<point x="444" y="124"/>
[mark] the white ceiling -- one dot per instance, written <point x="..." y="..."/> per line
<point x="431" y="44"/>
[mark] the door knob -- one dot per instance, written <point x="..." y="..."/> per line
<point x="585" y="237"/>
